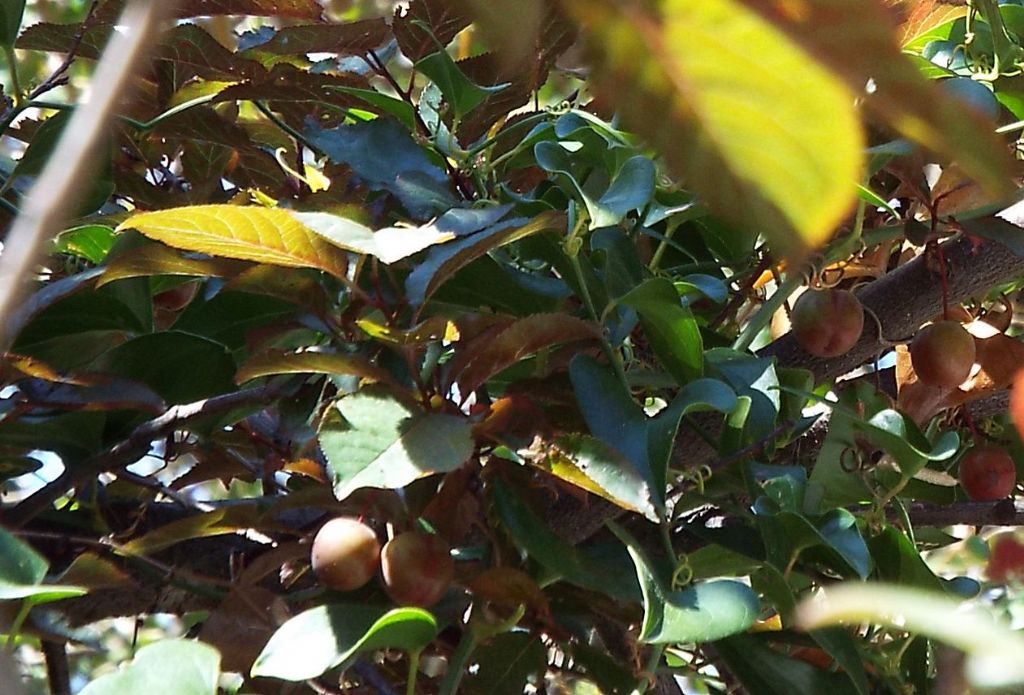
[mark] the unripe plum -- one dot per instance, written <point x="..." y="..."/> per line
<point x="987" y="474"/>
<point x="418" y="568"/>
<point x="942" y="354"/>
<point x="827" y="323"/>
<point x="345" y="554"/>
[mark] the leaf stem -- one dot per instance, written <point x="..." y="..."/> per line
<point x="12" y="65"/>
<point x="414" y="669"/>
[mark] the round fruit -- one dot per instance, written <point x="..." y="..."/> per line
<point x="417" y="568"/>
<point x="345" y="554"/>
<point x="827" y="323"/>
<point x="1017" y="401"/>
<point x="1006" y="560"/>
<point x="987" y="474"/>
<point x="942" y="354"/>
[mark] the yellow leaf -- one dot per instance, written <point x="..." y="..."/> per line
<point x="263" y="235"/>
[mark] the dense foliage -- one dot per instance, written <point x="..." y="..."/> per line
<point x="507" y="286"/>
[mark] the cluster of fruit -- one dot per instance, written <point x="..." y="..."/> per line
<point x="417" y="568"/>
<point x="828" y="323"/>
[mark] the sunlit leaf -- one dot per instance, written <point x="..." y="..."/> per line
<point x="181" y="666"/>
<point x="158" y="259"/>
<point x="735" y="107"/>
<point x="264" y="235"/>
<point x="857" y="39"/>
<point x="323" y="637"/>
<point x="381" y="442"/>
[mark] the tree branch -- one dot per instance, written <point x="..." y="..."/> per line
<point x="136" y="446"/>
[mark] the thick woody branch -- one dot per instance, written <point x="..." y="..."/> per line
<point x="906" y="298"/>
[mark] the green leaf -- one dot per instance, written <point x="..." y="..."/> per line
<point x="384" y="155"/>
<point x="91" y="242"/>
<point x="174" y="667"/>
<point x="263" y="235"/>
<point x="389" y="244"/>
<point x="506" y="664"/>
<point x="670" y="327"/>
<point x="711" y="85"/>
<point x="992" y="648"/>
<point x="20" y="564"/>
<point x="615" y="479"/>
<point x="461" y="93"/>
<point x="402" y="110"/>
<point x="383" y="443"/>
<point x="699" y="613"/>
<point x="323" y="637"/>
<point x="181" y="367"/>
<point x="40" y="150"/>
<point x="11" y="12"/>
<point x="765" y="671"/>
<point x="898" y="561"/>
<point x="442" y="262"/>
<point x="631" y="189"/>
<point x="543" y="544"/>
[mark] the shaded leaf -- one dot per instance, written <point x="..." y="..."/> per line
<point x="581" y="460"/>
<point x="263" y="235"/>
<point x="295" y="9"/>
<point x="350" y="38"/>
<point x="441" y="263"/>
<point x="20" y="564"/>
<point x="192" y="667"/>
<point x="384" y="155"/>
<point x="765" y="671"/>
<point x="670" y="327"/>
<point x="543" y="544"/>
<point x="507" y="664"/>
<point x="323" y="637"/>
<point x="181" y="367"/>
<point x="425" y="24"/>
<point x="309" y="362"/>
<point x="158" y="259"/>
<point x="11" y="12"/>
<point x="517" y="341"/>
<point x="735" y="123"/>
<point x="380" y="442"/>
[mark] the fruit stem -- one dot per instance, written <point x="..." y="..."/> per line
<point x="414" y="669"/>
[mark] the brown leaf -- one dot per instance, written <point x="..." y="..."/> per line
<point x="440" y="16"/>
<point x="508" y="587"/>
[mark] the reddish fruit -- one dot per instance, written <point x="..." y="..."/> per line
<point x="345" y="554"/>
<point x="827" y="323"/>
<point x="987" y="474"/>
<point x="417" y="568"/>
<point x="1017" y="401"/>
<point x="942" y="354"/>
<point x="1007" y="558"/>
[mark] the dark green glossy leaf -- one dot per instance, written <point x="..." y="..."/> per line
<point x="91" y="242"/>
<point x="765" y="671"/>
<point x="507" y="664"/>
<point x="443" y="261"/>
<point x="898" y="561"/>
<point x="11" y="12"/>
<point x="461" y="93"/>
<point x="543" y="544"/>
<point x="670" y="327"/>
<point x="181" y="367"/>
<point x="383" y="154"/>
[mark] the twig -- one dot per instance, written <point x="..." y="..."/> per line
<point x="58" y="188"/>
<point x="57" y="78"/>
<point x="137" y="445"/>
<point x="58" y="675"/>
